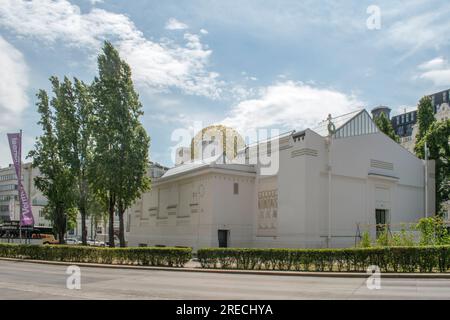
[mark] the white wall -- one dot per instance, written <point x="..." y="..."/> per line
<point x="233" y="212"/>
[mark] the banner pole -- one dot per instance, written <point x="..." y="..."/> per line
<point x="20" y="182"/>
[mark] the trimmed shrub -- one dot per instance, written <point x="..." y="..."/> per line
<point x="147" y="256"/>
<point x="388" y="259"/>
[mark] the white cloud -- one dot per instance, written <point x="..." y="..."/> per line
<point x="436" y="70"/>
<point x="174" y="24"/>
<point x="204" y="31"/>
<point x="426" y="29"/>
<point x="433" y="64"/>
<point x="289" y="105"/>
<point x="13" y="97"/>
<point x="13" y="84"/>
<point x="156" y="65"/>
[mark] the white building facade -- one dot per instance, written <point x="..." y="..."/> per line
<point x="329" y="181"/>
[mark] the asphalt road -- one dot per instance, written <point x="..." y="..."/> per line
<point x="21" y="280"/>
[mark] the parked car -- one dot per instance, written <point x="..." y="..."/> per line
<point x="72" y="241"/>
<point x="48" y="239"/>
<point x="95" y="243"/>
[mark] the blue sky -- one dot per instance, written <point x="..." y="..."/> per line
<point x="263" y="64"/>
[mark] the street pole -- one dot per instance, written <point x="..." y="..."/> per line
<point x="330" y="139"/>
<point x="19" y="178"/>
<point x="426" y="180"/>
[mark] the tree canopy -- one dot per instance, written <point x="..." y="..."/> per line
<point x="425" y="117"/>
<point x="385" y="126"/>
<point x="50" y="155"/>
<point x="120" y="161"/>
<point x="437" y="138"/>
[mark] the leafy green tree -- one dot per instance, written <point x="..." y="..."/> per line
<point x="385" y="126"/>
<point x="77" y="141"/>
<point x="120" y="158"/>
<point x="55" y="181"/>
<point x="438" y="142"/>
<point x="425" y="117"/>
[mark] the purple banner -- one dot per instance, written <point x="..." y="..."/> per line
<point x="15" y="144"/>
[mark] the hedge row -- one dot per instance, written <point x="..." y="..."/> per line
<point x="148" y="256"/>
<point x="388" y="259"/>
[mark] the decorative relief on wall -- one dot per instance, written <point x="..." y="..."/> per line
<point x="304" y="152"/>
<point x="267" y="213"/>
<point x="153" y="211"/>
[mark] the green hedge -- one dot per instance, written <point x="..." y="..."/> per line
<point x="147" y="256"/>
<point x="388" y="259"/>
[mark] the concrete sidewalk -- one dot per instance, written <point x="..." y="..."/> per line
<point x="194" y="266"/>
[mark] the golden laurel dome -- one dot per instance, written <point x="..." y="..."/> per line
<point x="230" y="139"/>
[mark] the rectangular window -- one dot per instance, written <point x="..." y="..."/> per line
<point x="8" y="187"/>
<point x="236" y="188"/>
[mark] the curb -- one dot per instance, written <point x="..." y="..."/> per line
<point x="247" y="272"/>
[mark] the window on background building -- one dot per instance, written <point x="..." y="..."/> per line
<point x="8" y="187"/>
<point x="444" y="96"/>
<point x="398" y="120"/>
<point x="236" y="188"/>
<point x="409" y="129"/>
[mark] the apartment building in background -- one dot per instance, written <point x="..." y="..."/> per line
<point x="9" y="194"/>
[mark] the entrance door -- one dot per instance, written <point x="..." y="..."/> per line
<point x="380" y="220"/>
<point x="223" y="238"/>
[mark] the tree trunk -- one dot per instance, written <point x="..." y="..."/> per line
<point x="82" y="206"/>
<point x="61" y="237"/>
<point x="121" y="227"/>
<point x="62" y="224"/>
<point x="111" y="221"/>
<point x="83" y="227"/>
